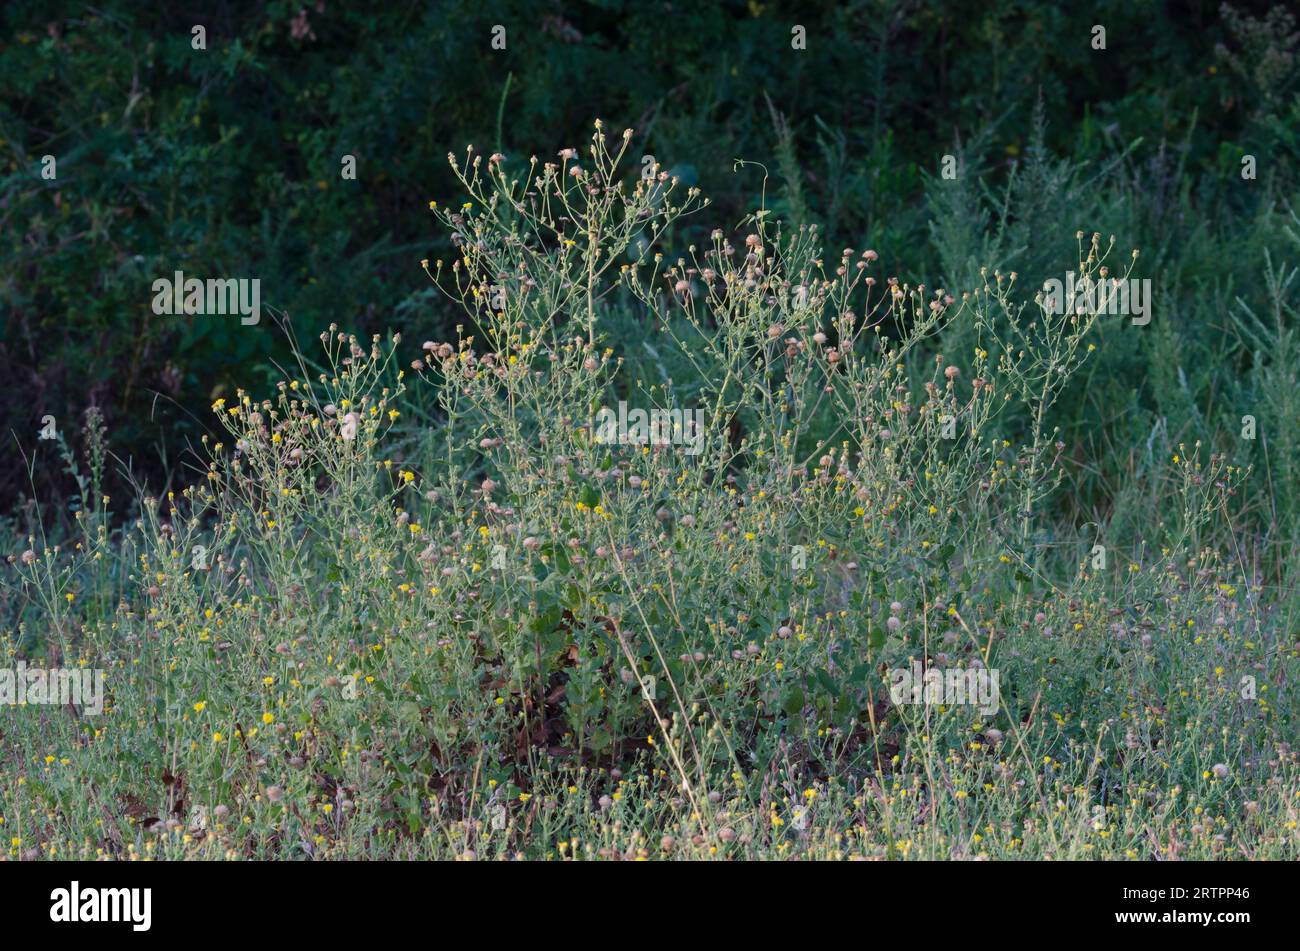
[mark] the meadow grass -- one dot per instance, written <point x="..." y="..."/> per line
<point x="416" y="604"/>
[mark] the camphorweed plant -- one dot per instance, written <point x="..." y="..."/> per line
<point x="580" y="612"/>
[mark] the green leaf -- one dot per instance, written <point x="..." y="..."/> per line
<point x="793" y="701"/>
